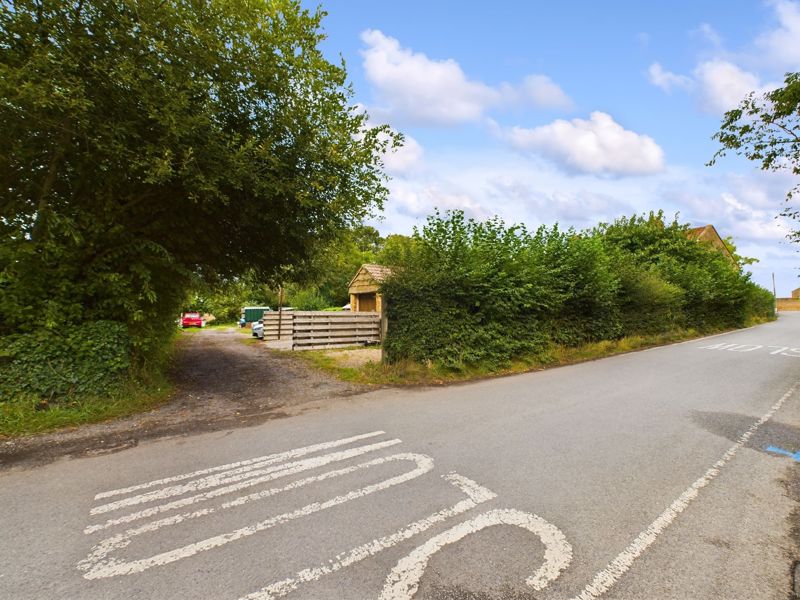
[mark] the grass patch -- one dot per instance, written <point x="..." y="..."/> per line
<point x="27" y="416"/>
<point x="412" y="373"/>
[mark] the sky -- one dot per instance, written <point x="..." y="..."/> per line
<point x="573" y="112"/>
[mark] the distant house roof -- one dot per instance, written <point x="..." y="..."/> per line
<point x="709" y="233"/>
<point x="378" y="272"/>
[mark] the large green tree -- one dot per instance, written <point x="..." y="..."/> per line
<point x="765" y="128"/>
<point x="148" y="142"/>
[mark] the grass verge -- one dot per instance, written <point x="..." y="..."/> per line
<point x="413" y="373"/>
<point x="27" y="416"/>
<point x="141" y="392"/>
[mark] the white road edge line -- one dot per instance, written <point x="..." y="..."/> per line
<point x="476" y="494"/>
<point x="267" y="459"/>
<point x="605" y="579"/>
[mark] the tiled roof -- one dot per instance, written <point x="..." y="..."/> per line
<point x="708" y="233"/>
<point x="379" y="272"/>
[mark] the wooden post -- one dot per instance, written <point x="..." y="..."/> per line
<point x="280" y="309"/>
<point x="384" y="326"/>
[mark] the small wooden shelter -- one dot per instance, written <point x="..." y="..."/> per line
<point x="708" y="233"/>
<point x="364" y="296"/>
<point x="796" y="294"/>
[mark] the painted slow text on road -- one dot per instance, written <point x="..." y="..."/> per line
<point x="163" y="503"/>
<point x="760" y="348"/>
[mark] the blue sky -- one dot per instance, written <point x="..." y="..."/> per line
<point x="575" y="112"/>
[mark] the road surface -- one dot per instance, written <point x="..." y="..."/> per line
<point x="667" y="473"/>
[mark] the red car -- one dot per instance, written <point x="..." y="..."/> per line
<point x="192" y="319"/>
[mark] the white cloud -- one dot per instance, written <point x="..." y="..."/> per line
<point x="781" y="47"/>
<point x="723" y="85"/>
<point x="708" y="33"/>
<point x="599" y="145"/>
<point x="418" y="199"/>
<point x="667" y="80"/>
<point x="580" y="207"/>
<point x="405" y="159"/>
<point x="434" y="91"/>
<point x="543" y="92"/>
<point x="425" y="90"/>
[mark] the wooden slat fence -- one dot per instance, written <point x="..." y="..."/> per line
<point x="320" y="329"/>
<point x="271" y="319"/>
<point x="313" y="330"/>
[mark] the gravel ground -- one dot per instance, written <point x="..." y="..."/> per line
<point x="221" y="382"/>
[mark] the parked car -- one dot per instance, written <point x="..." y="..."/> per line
<point x="192" y="319"/>
<point x="258" y="329"/>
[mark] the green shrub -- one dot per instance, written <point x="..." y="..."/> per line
<point x="647" y="303"/>
<point x="308" y="299"/>
<point x="84" y="360"/>
<point x="469" y="292"/>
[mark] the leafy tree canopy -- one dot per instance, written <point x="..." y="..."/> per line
<point x="766" y="129"/>
<point x="148" y="142"/>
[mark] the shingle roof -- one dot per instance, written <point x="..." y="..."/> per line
<point x="709" y="233"/>
<point x="378" y="272"/>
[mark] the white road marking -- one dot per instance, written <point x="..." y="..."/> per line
<point x="97" y="566"/>
<point x="793" y="352"/>
<point x="606" y="578"/>
<point x="719" y="347"/>
<point x="265" y="460"/>
<point x="747" y="347"/>
<point x="779" y="349"/>
<point x="403" y="581"/>
<point x="284" y="471"/>
<point x="476" y="495"/>
<point x="239" y="475"/>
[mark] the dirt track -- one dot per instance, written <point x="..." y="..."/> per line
<point x="221" y="382"/>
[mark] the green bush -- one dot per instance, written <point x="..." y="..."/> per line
<point x="308" y="299"/>
<point x="647" y="303"/>
<point x="56" y="364"/>
<point x="469" y="292"/>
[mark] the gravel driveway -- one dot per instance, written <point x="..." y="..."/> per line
<point x="222" y="381"/>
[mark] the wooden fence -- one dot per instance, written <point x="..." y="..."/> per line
<point x="312" y="330"/>
<point x="271" y="320"/>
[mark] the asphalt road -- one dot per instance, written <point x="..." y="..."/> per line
<point x="668" y="473"/>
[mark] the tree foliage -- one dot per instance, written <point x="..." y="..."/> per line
<point x="765" y="128"/>
<point x="147" y="143"/>
<point x="319" y="282"/>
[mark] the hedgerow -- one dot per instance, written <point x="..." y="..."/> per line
<point x="482" y="292"/>
<point x="83" y="360"/>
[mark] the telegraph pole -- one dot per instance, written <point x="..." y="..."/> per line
<point x="774" y="293"/>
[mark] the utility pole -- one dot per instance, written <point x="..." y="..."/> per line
<point x="774" y="294"/>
